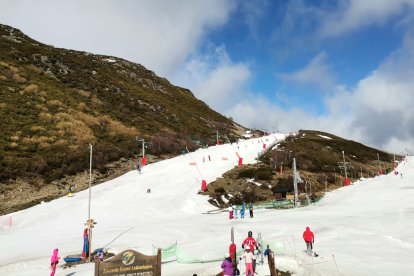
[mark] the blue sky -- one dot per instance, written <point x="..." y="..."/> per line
<point x="346" y="67"/>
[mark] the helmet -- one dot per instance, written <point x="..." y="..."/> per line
<point x="248" y="247"/>
<point x="250" y="233"/>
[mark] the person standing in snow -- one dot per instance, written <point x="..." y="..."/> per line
<point x="251" y="209"/>
<point x="309" y="240"/>
<point x="54" y="260"/>
<point x="139" y="166"/>
<point x="248" y="257"/>
<point x="250" y="241"/>
<point x="227" y="266"/>
<point x="235" y="211"/>
<point x="230" y="212"/>
<point x="242" y="212"/>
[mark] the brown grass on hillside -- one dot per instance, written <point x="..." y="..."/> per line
<point x="61" y="142"/>
<point x="81" y="106"/>
<point x="84" y="93"/>
<point x="95" y="100"/>
<point x="35" y="140"/>
<point x="3" y="105"/>
<point x="78" y="129"/>
<point x="46" y="117"/>
<point x="13" y="145"/>
<point x="15" y="138"/>
<point x="116" y="127"/>
<point x="86" y="118"/>
<point x="37" y="128"/>
<point x="34" y="68"/>
<point x="3" y="78"/>
<point x="55" y="103"/>
<point x="31" y="88"/>
<point x="43" y="93"/>
<point x="42" y="107"/>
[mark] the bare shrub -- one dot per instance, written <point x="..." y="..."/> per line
<point x="13" y="145"/>
<point x="46" y="117"/>
<point x="97" y="101"/>
<point x="55" y="103"/>
<point x="31" y="88"/>
<point x="37" y="128"/>
<point x="86" y="118"/>
<point x="15" y="138"/>
<point x="34" y="68"/>
<point x="84" y="93"/>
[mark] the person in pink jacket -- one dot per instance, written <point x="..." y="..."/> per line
<point x="54" y="260"/>
<point x="249" y="257"/>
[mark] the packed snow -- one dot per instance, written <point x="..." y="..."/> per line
<point x="362" y="229"/>
<point x="325" y="137"/>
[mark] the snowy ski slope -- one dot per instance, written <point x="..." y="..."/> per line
<point x="363" y="229"/>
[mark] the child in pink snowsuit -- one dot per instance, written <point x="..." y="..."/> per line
<point x="54" y="260"/>
<point x="249" y="257"/>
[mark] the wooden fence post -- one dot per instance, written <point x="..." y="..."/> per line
<point x="271" y="261"/>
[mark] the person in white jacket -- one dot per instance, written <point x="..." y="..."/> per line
<point x="248" y="257"/>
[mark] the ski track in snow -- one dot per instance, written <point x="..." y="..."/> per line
<point x="362" y="229"/>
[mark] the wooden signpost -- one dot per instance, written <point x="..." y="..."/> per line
<point x="271" y="261"/>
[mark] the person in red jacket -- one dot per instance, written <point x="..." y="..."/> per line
<point x="250" y="241"/>
<point x="252" y="244"/>
<point x="309" y="240"/>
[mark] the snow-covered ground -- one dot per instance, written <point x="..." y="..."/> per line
<point x="363" y="229"/>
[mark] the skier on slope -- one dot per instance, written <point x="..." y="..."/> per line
<point x="54" y="260"/>
<point x="230" y="212"/>
<point x="249" y="259"/>
<point x="309" y="240"/>
<point x="242" y="210"/>
<point x="252" y="244"/>
<point x="250" y="241"/>
<point x="251" y="209"/>
<point x="235" y="211"/>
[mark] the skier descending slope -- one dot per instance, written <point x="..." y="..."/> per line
<point x="249" y="259"/>
<point x="309" y="240"/>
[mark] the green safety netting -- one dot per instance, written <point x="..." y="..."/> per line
<point x="167" y="252"/>
<point x="183" y="257"/>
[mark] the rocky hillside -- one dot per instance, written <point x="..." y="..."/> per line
<point x="318" y="158"/>
<point x="54" y="102"/>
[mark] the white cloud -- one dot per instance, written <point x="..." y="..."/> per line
<point x="317" y="72"/>
<point x="354" y="14"/>
<point x="214" y="78"/>
<point x="158" y="34"/>
<point x="378" y="111"/>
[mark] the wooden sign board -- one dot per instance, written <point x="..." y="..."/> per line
<point x="130" y="263"/>
<point x="290" y="197"/>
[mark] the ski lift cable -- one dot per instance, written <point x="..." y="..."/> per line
<point x="118" y="236"/>
<point x="198" y="169"/>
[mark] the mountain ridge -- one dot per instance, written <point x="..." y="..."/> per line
<point x="54" y="102"/>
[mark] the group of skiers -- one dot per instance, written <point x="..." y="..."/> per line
<point x="229" y="264"/>
<point x="234" y="211"/>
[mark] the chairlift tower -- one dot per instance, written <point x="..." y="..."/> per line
<point x="344" y="165"/>
<point x="296" y="180"/>
<point x="144" y="145"/>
